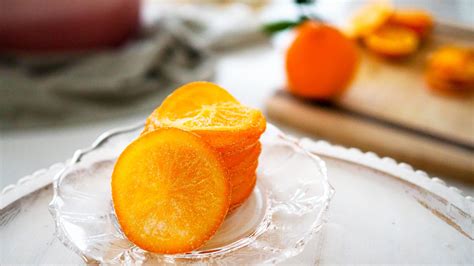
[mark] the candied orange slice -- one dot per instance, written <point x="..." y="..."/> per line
<point x="392" y="41"/>
<point x="241" y="174"/>
<point x="170" y="191"/>
<point x="417" y="20"/>
<point x="241" y="192"/>
<point x="236" y="159"/>
<point x="189" y="98"/>
<point x="211" y="112"/>
<point x="370" y="18"/>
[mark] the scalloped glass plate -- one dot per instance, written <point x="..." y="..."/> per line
<point x="285" y="210"/>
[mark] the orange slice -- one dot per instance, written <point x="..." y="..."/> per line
<point x="241" y="192"/>
<point x="225" y="124"/>
<point x="392" y="41"/>
<point x="191" y="97"/>
<point x="235" y="160"/>
<point x="170" y="191"/>
<point x="417" y="20"/>
<point x="241" y="174"/>
<point x="370" y="18"/>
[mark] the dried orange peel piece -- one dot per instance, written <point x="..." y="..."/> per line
<point x="392" y="41"/>
<point x="170" y="191"/>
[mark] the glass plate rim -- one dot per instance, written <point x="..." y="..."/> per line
<point x="291" y="252"/>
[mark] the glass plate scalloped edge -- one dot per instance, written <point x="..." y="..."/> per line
<point x="260" y="246"/>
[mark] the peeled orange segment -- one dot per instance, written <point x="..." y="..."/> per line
<point x="241" y="192"/>
<point x="417" y="20"/>
<point x="370" y="18"/>
<point x="170" y="191"/>
<point x="392" y="41"/>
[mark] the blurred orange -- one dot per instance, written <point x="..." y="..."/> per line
<point x="320" y="62"/>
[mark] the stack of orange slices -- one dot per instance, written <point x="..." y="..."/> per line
<point x="195" y="160"/>
<point x="232" y="129"/>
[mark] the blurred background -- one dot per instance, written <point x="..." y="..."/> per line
<point x="70" y="70"/>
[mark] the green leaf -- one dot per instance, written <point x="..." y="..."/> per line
<point x="277" y="26"/>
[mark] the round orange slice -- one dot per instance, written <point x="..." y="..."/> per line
<point x="392" y="41"/>
<point x="170" y="191"/>
<point x="234" y="160"/>
<point x="417" y="20"/>
<point x="211" y="112"/>
<point x="240" y="175"/>
<point x="191" y="97"/>
<point x="370" y="18"/>
<point x="242" y="191"/>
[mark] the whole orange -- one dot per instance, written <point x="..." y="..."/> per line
<point x="321" y="61"/>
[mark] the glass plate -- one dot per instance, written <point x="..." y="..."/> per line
<point x="283" y="213"/>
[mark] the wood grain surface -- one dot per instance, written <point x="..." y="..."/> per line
<point x="396" y="91"/>
<point x="390" y="110"/>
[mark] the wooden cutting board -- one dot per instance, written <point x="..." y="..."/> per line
<point x="389" y="110"/>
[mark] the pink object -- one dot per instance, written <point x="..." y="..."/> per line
<point x="72" y="25"/>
